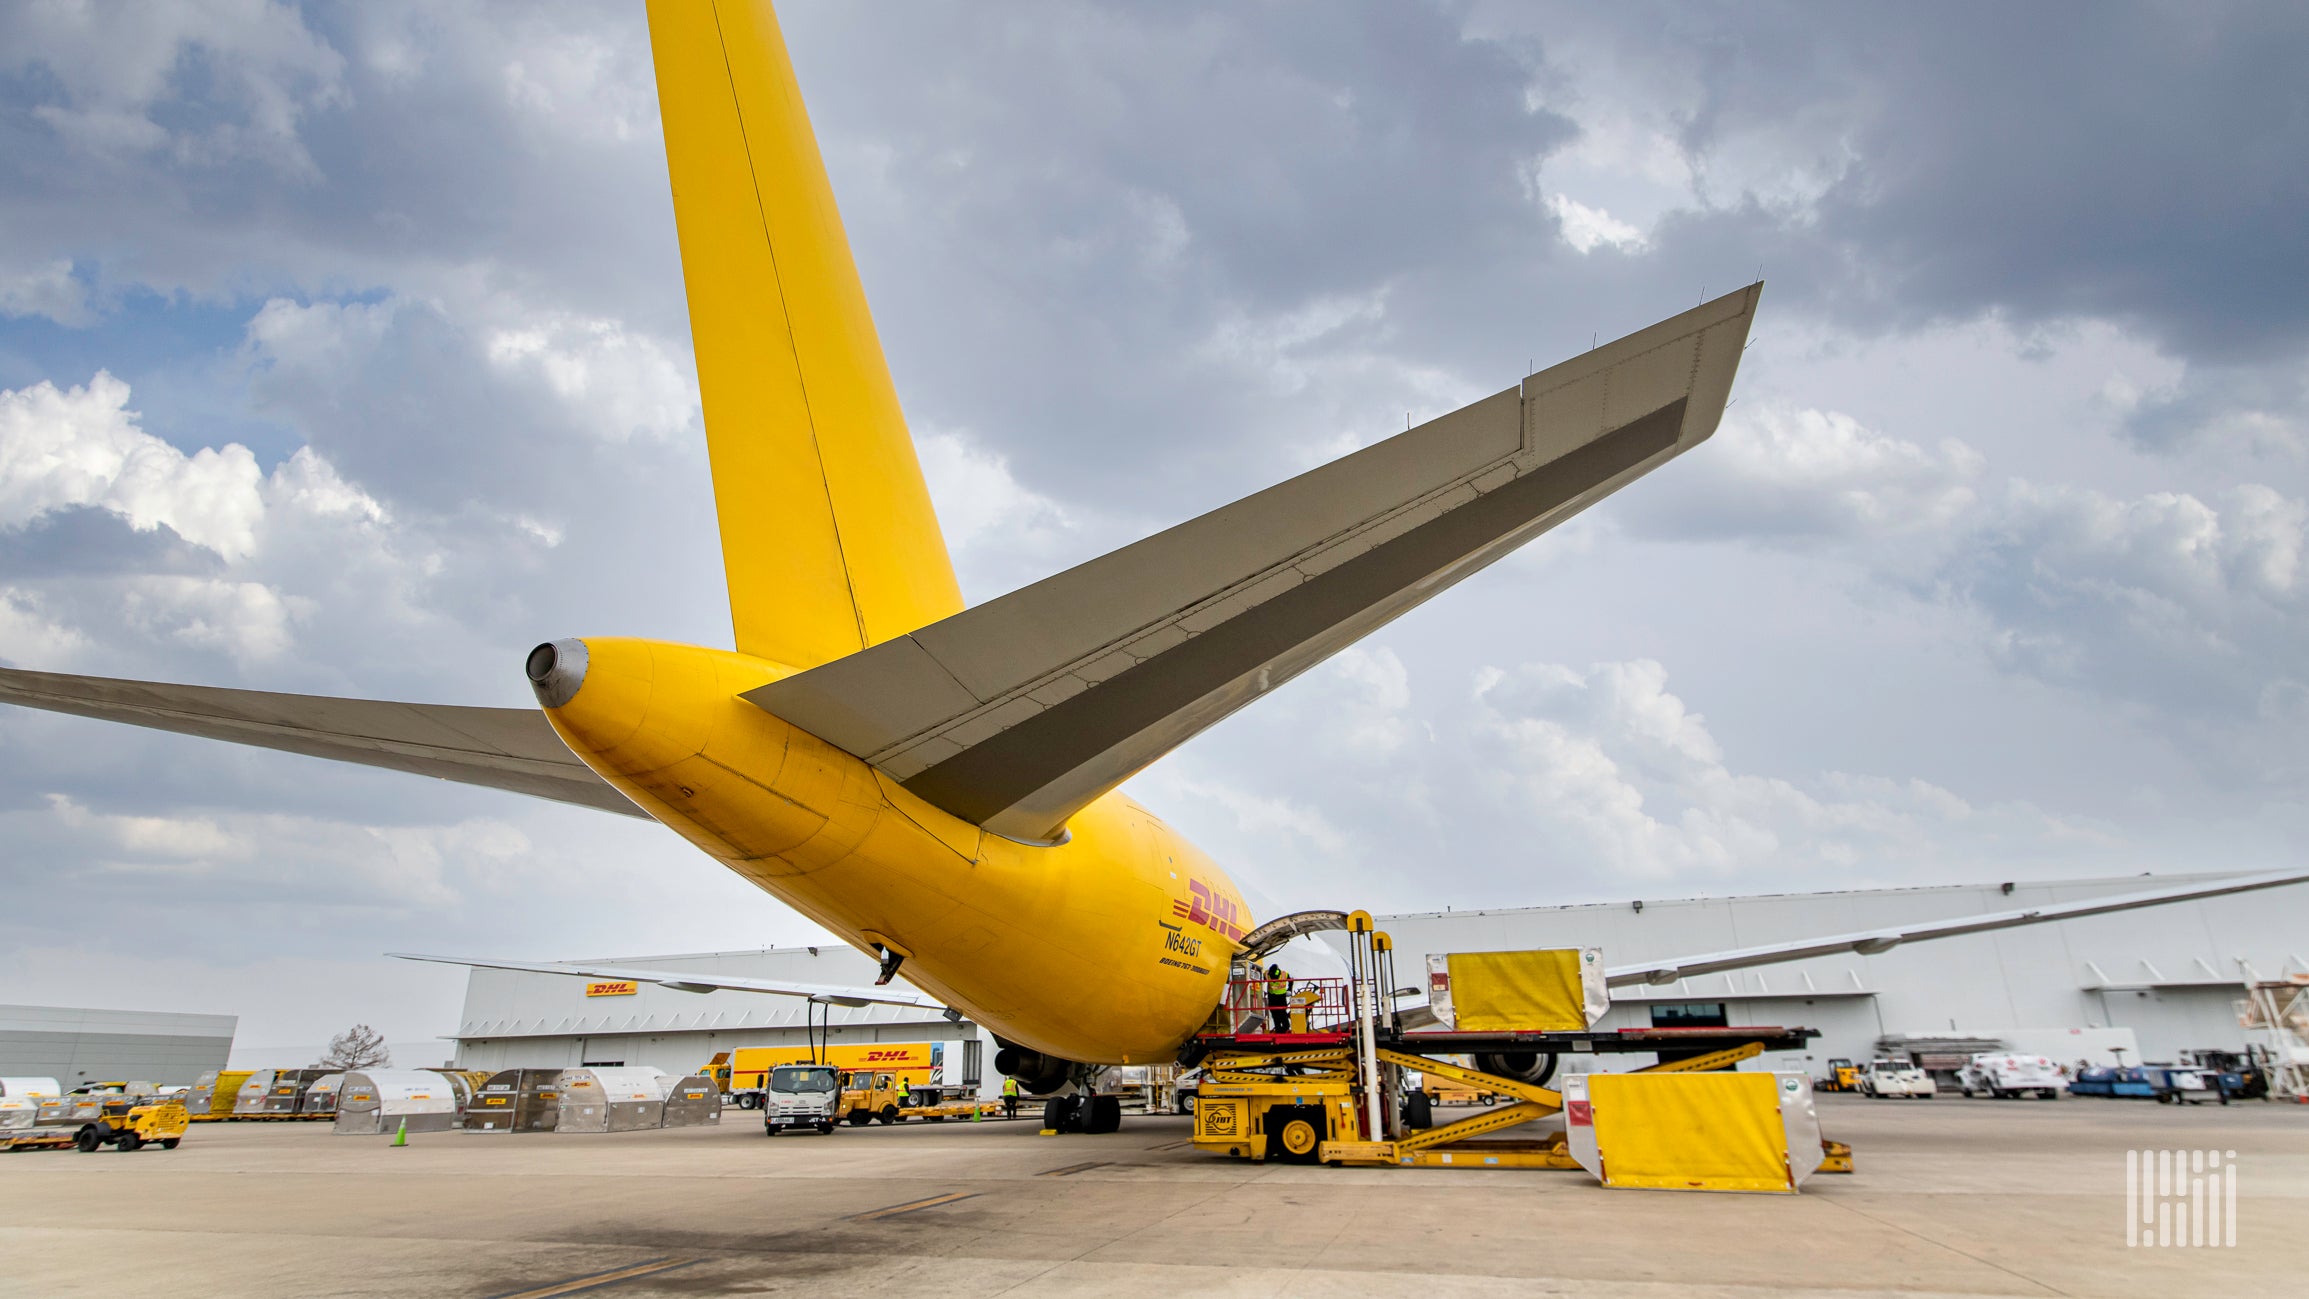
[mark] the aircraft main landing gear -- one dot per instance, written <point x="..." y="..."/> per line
<point x="1082" y="1114"/>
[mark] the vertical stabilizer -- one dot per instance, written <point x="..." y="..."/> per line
<point x="828" y="538"/>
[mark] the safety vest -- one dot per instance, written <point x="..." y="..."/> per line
<point x="1010" y="1086"/>
<point x="1279" y="987"/>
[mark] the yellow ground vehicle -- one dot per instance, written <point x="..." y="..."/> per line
<point x="870" y="1096"/>
<point x="1450" y="1091"/>
<point x="1843" y="1076"/>
<point x="131" y="1123"/>
<point x="744" y="1074"/>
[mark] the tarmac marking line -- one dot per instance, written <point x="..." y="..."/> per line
<point x="913" y="1205"/>
<point x="1071" y="1169"/>
<point x="596" y="1280"/>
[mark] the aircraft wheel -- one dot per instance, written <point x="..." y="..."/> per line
<point x="1418" y="1112"/>
<point x="1105" y="1114"/>
<point x="1058" y="1114"/>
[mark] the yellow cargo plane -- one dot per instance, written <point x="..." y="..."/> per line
<point x="937" y="784"/>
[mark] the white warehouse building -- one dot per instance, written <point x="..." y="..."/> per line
<point x="516" y="1019"/>
<point x="2171" y="975"/>
<point x="2164" y="978"/>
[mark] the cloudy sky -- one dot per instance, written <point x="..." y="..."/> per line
<point x="343" y="350"/>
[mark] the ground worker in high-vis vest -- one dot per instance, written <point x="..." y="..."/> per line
<point x="1279" y="998"/>
<point x="1010" y="1098"/>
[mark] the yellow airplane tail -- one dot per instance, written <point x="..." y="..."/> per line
<point x="829" y="542"/>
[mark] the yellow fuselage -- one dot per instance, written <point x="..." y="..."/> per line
<point x="1110" y="948"/>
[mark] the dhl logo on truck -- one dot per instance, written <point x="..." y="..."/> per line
<point x="617" y="988"/>
<point x="1203" y="907"/>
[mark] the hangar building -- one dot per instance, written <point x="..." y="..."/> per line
<point x="2169" y="975"/>
<point x="75" y="1045"/>
<point x="516" y="1019"/>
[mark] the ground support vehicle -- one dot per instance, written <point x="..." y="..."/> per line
<point x="1898" y="1079"/>
<point x="1301" y="1106"/>
<point x="1443" y="1091"/>
<point x="801" y="1096"/>
<point x="2185" y="1084"/>
<point x="130" y="1123"/>
<point x="122" y="1122"/>
<point x="944" y="1110"/>
<point x="867" y="1097"/>
<point x="2244" y="1076"/>
<point x="1843" y="1076"/>
<point x="743" y="1075"/>
<point x="1336" y="1094"/>
<point x="2007" y="1076"/>
<point x="2116" y="1082"/>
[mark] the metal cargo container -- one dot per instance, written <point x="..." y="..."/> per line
<point x="18" y="1112"/>
<point x="321" y="1096"/>
<point x="212" y="1096"/>
<point x="516" y="1100"/>
<point x="28" y="1088"/>
<point x="272" y="1093"/>
<point x="693" y="1102"/>
<point x="81" y="1107"/>
<point x="612" y="1100"/>
<point x="381" y="1100"/>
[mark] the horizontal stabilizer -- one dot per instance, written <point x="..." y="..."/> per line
<point x="684" y="981"/>
<point x="1015" y="714"/>
<point x="502" y="748"/>
<point x="1874" y="941"/>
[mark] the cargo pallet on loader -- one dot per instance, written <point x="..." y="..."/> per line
<point x="1325" y="1092"/>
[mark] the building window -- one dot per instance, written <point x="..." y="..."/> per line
<point x="1689" y="1014"/>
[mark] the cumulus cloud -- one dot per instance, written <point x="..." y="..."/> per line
<point x="48" y="289"/>
<point x="82" y="446"/>
<point x="1589" y="228"/>
<point x="1614" y="769"/>
<point x="112" y="70"/>
<point x="619" y="383"/>
<point x="2163" y="598"/>
<point x="1774" y="471"/>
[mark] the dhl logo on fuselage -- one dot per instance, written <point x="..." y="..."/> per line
<point x="1201" y="906"/>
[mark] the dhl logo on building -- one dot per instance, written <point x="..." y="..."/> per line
<point x="617" y="988"/>
<point x="1203" y="907"/>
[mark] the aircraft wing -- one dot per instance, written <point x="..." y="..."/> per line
<point x="682" y="981"/>
<point x="1014" y="714"/>
<point x="1870" y="942"/>
<point x="502" y="748"/>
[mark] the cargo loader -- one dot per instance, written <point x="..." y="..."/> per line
<point x="1330" y="1089"/>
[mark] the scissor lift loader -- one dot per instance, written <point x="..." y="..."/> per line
<point x="1325" y="1092"/>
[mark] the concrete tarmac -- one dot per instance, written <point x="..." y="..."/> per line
<point x="1951" y="1197"/>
